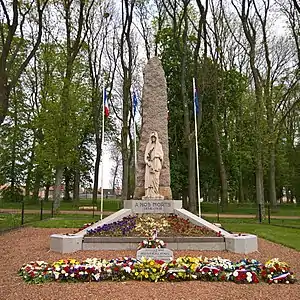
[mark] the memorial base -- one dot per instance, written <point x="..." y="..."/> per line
<point x="231" y="242"/>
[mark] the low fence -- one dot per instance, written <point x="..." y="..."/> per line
<point x="17" y="214"/>
<point x="21" y="214"/>
<point x="287" y="215"/>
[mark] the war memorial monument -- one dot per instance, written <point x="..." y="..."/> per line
<point x="152" y="193"/>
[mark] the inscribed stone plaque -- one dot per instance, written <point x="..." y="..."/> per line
<point x="157" y="254"/>
<point x="152" y="206"/>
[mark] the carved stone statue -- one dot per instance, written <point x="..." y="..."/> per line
<point x="154" y="160"/>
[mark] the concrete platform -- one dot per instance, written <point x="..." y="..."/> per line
<point x="173" y="243"/>
<point x="75" y="242"/>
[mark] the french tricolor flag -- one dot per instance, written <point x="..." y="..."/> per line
<point x="106" y="109"/>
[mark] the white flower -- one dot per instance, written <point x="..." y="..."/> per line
<point x="72" y="275"/>
<point x="63" y="272"/>
<point x="235" y="273"/>
<point x="249" y="279"/>
<point x="269" y="276"/>
<point x="275" y="281"/>
<point x="287" y="282"/>
<point x="127" y="269"/>
<point x="81" y="273"/>
<point x="96" y="276"/>
<point x="57" y="269"/>
<point x="56" y="275"/>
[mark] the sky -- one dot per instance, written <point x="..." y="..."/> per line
<point x="108" y="163"/>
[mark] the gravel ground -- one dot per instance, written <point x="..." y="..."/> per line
<point x="23" y="245"/>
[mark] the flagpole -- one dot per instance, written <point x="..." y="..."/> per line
<point x="134" y="104"/>
<point x="197" y="150"/>
<point x="102" y="151"/>
<point x="135" y="152"/>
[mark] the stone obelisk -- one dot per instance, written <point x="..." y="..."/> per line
<point x="154" y="118"/>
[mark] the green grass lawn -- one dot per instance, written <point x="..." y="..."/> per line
<point x="278" y="222"/>
<point x="275" y="232"/>
<point x="281" y="235"/>
<point x="8" y="221"/>
<point x="64" y="223"/>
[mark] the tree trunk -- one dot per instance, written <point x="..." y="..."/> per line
<point x="189" y="140"/>
<point x="96" y="174"/>
<point x="126" y="48"/>
<point x="221" y="165"/>
<point x="125" y="162"/>
<point x="115" y="177"/>
<point x="37" y="184"/>
<point x="76" y="187"/>
<point x="192" y="180"/>
<point x="47" y="191"/>
<point x="67" y="184"/>
<point x="14" y="146"/>
<point x="272" y="179"/>
<point x="4" y="96"/>
<point x="241" y="187"/>
<point x="57" y="187"/>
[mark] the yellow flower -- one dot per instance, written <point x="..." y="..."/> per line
<point x="154" y="270"/>
<point x="136" y="273"/>
<point x="146" y="275"/>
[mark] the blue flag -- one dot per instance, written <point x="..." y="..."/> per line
<point x="135" y="102"/>
<point x="196" y="101"/>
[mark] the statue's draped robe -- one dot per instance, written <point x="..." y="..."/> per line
<point x="154" y="161"/>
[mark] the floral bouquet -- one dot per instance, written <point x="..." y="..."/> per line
<point x="121" y="268"/>
<point x="152" y="243"/>
<point x="275" y="271"/>
<point x="183" y="268"/>
<point x="36" y="272"/>
<point x="249" y="264"/>
<point x="148" y="269"/>
<point x="244" y="276"/>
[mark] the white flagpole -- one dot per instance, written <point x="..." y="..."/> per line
<point x="197" y="151"/>
<point x="102" y="151"/>
<point x="134" y="133"/>
<point x="135" y="152"/>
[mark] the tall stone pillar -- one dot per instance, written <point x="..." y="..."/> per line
<point x="154" y="118"/>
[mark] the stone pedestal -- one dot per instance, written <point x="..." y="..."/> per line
<point x="65" y="243"/>
<point x="244" y="243"/>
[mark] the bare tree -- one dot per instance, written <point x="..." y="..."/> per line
<point x="127" y="70"/>
<point x="250" y="31"/>
<point x="75" y="37"/>
<point x="10" y="66"/>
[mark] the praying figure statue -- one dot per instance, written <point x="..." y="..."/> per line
<point x="154" y="160"/>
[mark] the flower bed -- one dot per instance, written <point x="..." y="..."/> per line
<point x="144" y="226"/>
<point x="181" y="269"/>
<point x="152" y="243"/>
